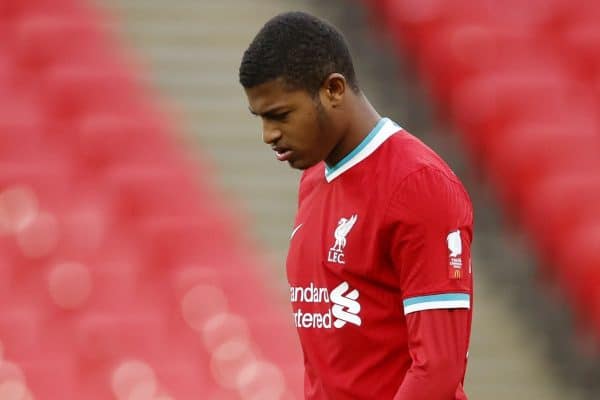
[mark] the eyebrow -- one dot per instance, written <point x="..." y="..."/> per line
<point x="269" y="113"/>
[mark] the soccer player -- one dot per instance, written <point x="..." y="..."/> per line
<point x="379" y="262"/>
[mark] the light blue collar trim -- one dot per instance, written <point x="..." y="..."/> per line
<point x="380" y="133"/>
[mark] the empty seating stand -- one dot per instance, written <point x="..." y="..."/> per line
<point x="123" y="274"/>
<point x="520" y="81"/>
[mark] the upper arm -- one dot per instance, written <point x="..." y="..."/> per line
<point x="432" y="228"/>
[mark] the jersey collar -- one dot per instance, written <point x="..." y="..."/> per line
<point x="380" y="133"/>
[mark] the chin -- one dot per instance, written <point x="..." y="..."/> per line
<point x="301" y="164"/>
<point x="296" y="165"/>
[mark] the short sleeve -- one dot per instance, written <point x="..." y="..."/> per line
<point x="431" y="222"/>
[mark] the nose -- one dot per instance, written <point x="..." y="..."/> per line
<point x="271" y="132"/>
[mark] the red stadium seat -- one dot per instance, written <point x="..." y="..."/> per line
<point x="483" y="106"/>
<point x="579" y="13"/>
<point x="43" y="39"/>
<point x="579" y="270"/>
<point x="43" y="184"/>
<point x="117" y="275"/>
<point x="557" y="204"/>
<point x="524" y="154"/>
<point x="51" y="372"/>
<point x="537" y="14"/>
<point x="6" y="274"/>
<point x="73" y="89"/>
<point x="462" y="50"/>
<point x="171" y="240"/>
<point x="86" y="225"/>
<point x="224" y="277"/>
<point x="101" y="338"/>
<point x="15" y="9"/>
<point x="20" y="329"/>
<point x="580" y="43"/>
<point x="413" y="21"/>
<point x="102" y="139"/>
<point x="180" y="375"/>
<point x="149" y="190"/>
<point x="20" y="113"/>
<point x="7" y="70"/>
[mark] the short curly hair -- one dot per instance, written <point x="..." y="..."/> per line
<point x="299" y="48"/>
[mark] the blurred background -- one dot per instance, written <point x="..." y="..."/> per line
<point x="144" y="224"/>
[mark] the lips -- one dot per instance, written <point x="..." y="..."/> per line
<point x="282" y="154"/>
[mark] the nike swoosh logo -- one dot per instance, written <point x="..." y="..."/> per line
<point x="295" y="230"/>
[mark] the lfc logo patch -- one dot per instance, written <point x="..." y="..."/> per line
<point x="336" y="252"/>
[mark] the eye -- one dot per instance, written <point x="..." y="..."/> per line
<point x="281" y="117"/>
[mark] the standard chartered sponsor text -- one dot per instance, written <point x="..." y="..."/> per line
<point x="345" y="307"/>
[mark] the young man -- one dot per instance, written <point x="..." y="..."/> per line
<point x="379" y="262"/>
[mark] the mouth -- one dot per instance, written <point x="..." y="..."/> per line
<point x="282" y="154"/>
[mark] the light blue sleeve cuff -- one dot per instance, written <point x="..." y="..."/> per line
<point x="436" y="302"/>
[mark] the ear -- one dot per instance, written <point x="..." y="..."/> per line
<point x="333" y="90"/>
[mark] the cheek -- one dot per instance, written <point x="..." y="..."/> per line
<point x="305" y="131"/>
<point x="317" y="126"/>
<point x="312" y="138"/>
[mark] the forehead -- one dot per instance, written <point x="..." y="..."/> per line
<point x="274" y="94"/>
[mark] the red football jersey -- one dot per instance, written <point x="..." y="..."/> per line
<point x="383" y="234"/>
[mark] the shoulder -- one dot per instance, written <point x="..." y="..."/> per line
<point x="431" y="195"/>
<point x="406" y="155"/>
<point x="422" y="181"/>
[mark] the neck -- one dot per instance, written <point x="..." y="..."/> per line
<point x="363" y="118"/>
